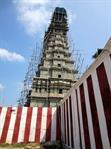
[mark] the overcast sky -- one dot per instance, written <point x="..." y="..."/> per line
<point x="22" y="25"/>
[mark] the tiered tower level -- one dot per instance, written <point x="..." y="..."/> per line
<point x="56" y="73"/>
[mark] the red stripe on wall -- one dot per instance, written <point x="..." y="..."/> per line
<point x="0" y="109"/>
<point x="48" y="124"/>
<point x="6" y="125"/>
<point x="58" y="124"/>
<point x="38" y="125"/>
<point x="71" y="123"/>
<point x="78" y="119"/>
<point x="17" y="125"/>
<point x="84" y="117"/>
<point x="94" y="114"/>
<point x="27" y="125"/>
<point x="64" y="123"/>
<point x="106" y="96"/>
<point x="67" y="111"/>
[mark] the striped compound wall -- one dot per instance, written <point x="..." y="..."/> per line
<point x="28" y="124"/>
<point x="86" y="110"/>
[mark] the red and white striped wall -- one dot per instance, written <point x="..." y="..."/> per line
<point x="86" y="109"/>
<point x="22" y="124"/>
<point x="81" y="121"/>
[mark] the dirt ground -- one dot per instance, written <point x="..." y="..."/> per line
<point x="20" y="146"/>
<point x="11" y="147"/>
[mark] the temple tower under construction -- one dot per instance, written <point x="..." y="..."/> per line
<point x="56" y="73"/>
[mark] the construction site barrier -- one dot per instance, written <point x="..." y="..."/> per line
<point x="86" y="109"/>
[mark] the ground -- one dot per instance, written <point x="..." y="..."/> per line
<point x="20" y="146"/>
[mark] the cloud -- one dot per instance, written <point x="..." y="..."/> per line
<point x="2" y="87"/>
<point x="34" y="20"/>
<point x="32" y="2"/>
<point x="35" y="15"/>
<point x="10" y="56"/>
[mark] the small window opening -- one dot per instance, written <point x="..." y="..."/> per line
<point x="59" y="76"/>
<point x="60" y="91"/>
<point x="59" y="65"/>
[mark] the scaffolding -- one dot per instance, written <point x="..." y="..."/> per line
<point x="36" y="59"/>
<point x="31" y="73"/>
<point x="78" y="58"/>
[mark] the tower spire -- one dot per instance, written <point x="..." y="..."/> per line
<point x="55" y="74"/>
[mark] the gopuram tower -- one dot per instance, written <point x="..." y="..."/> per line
<point x="56" y="73"/>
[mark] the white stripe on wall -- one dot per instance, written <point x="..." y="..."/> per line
<point x="11" y="125"/>
<point x="33" y="124"/>
<point x="43" y="125"/>
<point x="66" y="124"/>
<point x="75" y="121"/>
<point x="101" y="116"/>
<point x="22" y="125"/>
<point x="53" y="124"/>
<point x="62" y="123"/>
<point x="81" y="122"/>
<point x="88" y="110"/>
<point x="2" y="119"/>
<point x="69" y="124"/>
<point x="107" y="64"/>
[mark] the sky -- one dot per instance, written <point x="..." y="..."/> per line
<point x="22" y="26"/>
